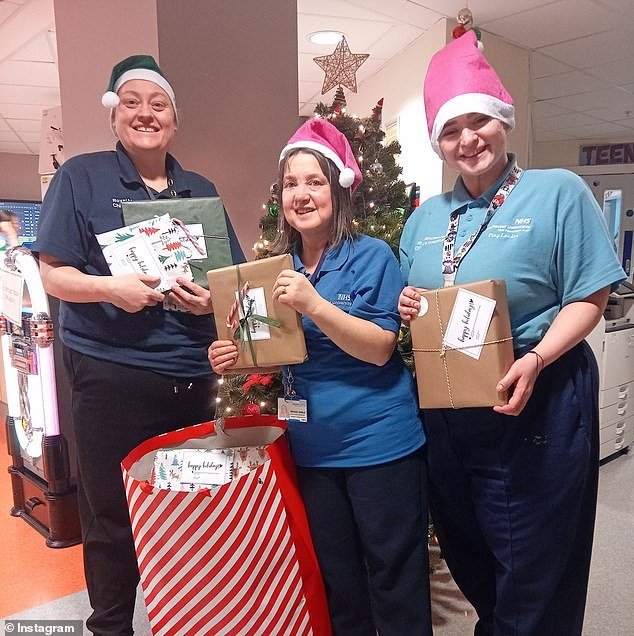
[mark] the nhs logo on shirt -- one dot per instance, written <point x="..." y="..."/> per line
<point x="116" y="203"/>
<point x="521" y="226"/>
<point x="342" y="299"/>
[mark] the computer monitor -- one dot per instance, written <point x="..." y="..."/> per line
<point x="28" y="214"/>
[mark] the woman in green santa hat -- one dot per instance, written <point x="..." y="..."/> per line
<point x="135" y="369"/>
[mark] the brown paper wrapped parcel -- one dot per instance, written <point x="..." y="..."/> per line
<point x="279" y="342"/>
<point x="458" y="374"/>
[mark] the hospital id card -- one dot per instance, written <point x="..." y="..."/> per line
<point x="292" y="409"/>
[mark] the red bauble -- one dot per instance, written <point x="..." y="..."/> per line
<point x="458" y="32"/>
<point x="250" y="409"/>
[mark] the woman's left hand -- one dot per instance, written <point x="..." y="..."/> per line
<point x="191" y="296"/>
<point x="294" y="289"/>
<point x="520" y="380"/>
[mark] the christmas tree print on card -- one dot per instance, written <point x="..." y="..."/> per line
<point x="153" y="247"/>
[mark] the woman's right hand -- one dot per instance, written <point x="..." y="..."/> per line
<point x="222" y="355"/>
<point x="133" y="292"/>
<point x="409" y="302"/>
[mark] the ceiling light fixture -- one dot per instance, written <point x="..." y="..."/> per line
<point x="325" y="37"/>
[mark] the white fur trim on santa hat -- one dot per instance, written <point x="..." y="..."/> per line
<point x="346" y="175"/>
<point x="471" y="103"/>
<point x="150" y="76"/>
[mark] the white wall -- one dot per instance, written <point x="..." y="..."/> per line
<point x="565" y="154"/>
<point x="400" y="82"/>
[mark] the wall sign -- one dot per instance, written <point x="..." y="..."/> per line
<point x="606" y="154"/>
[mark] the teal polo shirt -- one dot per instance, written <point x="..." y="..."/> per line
<point x="548" y="241"/>
<point x="359" y="414"/>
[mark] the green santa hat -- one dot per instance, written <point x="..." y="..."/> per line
<point x="142" y="67"/>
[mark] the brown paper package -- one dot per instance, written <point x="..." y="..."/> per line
<point x="286" y="345"/>
<point x="463" y="381"/>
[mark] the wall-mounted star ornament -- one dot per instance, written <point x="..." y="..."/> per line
<point x="341" y="67"/>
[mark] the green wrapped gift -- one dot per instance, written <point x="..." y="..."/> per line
<point x="209" y="234"/>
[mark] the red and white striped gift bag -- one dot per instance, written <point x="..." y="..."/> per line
<point x="234" y="561"/>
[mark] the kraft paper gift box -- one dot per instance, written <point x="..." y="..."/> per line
<point x="451" y="371"/>
<point x="268" y="333"/>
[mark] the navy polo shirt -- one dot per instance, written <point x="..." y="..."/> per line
<point x="84" y="199"/>
<point x="359" y="414"/>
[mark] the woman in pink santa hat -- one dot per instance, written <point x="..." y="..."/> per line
<point x="513" y="488"/>
<point x="359" y="452"/>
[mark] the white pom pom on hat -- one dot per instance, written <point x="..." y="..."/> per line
<point x="142" y="67"/>
<point x="320" y="135"/>
<point x="110" y="99"/>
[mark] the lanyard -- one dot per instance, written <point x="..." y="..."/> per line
<point x="451" y="262"/>
<point x="170" y="185"/>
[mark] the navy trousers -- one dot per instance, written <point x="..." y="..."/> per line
<point x="115" y="408"/>
<point x="369" y="529"/>
<point x="513" y="501"/>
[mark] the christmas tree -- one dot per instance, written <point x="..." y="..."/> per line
<point x="381" y="201"/>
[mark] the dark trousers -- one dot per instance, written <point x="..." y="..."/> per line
<point x="115" y="408"/>
<point x="369" y="528"/>
<point x="513" y="501"/>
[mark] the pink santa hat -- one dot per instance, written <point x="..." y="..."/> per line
<point x="459" y="80"/>
<point x="320" y="135"/>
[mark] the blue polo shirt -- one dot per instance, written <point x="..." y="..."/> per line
<point x="359" y="414"/>
<point x="548" y="241"/>
<point x="84" y="199"/>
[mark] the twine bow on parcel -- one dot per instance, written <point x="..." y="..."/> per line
<point x="241" y="317"/>
<point x="442" y="351"/>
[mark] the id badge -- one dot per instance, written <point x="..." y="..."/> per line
<point x="292" y="409"/>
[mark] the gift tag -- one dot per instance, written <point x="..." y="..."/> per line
<point x="469" y="322"/>
<point x="292" y="409"/>
<point x="210" y="467"/>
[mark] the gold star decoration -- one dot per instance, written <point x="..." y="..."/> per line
<point x="341" y="67"/>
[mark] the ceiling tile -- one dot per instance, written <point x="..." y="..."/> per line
<point x="25" y="125"/>
<point x="414" y="12"/>
<point x="360" y="34"/>
<point x="564" y="84"/>
<point x="567" y="120"/>
<point x="23" y="111"/>
<point x="628" y="123"/>
<point x="543" y="66"/>
<point x="620" y="72"/>
<point x="37" y="50"/>
<point x="8" y="135"/>
<point x="598" y="130"/>
<point x="483" y="10"/>
<point x="28" y="95"/>
<point x="6" y="9"/>
<point x="623" y="6"/>
<point x="592" y="50"/>
<point x="598" y="99"/>
<point x="395" y="39"/>
<point x="339" y="9"/>
<point x="541" y="109"/>
<point x="611" y="114"/>
<point x="15" y="147"/>
<point x="29" y="73"/>
<point x="4" y="125"/>
<point x="30" y="137"/>
<point x="554" y="22"/>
